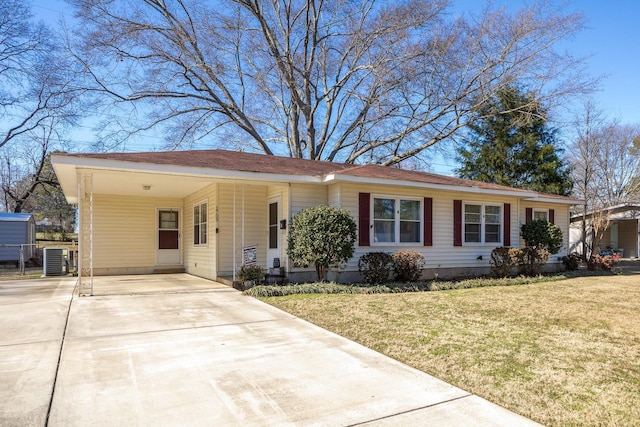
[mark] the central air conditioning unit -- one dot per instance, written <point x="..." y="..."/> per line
<point x="54" y="262"/>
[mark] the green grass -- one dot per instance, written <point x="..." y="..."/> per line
<point x="563" y="353"/>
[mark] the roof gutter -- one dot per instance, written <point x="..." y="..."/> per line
<point x="473" y="190"/>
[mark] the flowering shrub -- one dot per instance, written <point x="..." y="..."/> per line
<point x="600" y="262"/>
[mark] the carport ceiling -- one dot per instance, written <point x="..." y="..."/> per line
<point x="141" y="184"/>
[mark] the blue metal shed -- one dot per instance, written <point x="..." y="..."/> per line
<point x="17" y="229"/>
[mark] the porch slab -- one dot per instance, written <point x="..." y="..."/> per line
<point x="140" y="284"/>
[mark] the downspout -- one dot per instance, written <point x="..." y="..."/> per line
<point x="289" y="218"/>
<point x="243" y="245"/>
<point x="234" y="232"/>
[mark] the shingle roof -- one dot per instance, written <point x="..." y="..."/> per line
<point x="378" y="171"/>
<point x="225" y="160"/>
<point x="260" y="163"/>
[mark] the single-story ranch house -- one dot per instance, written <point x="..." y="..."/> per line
<point x="205" y="212"/>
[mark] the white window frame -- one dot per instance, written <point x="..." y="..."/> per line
<point x="483" y="224"/>
<point x="397" y="220"/>
<point x="201" y="224"/>
<point x="545" y="211"/>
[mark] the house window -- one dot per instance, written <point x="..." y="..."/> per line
<point x="482" y="223"/>
<point x="200" y="224"/>
<point x="396" y="220"/>
<point x="541" y="214"/>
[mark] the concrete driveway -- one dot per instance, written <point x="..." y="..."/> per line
<point x="146" y="351"/>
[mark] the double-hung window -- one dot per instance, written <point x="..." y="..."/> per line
<point x="200" y="224"/>
<point x="482" y="223"/>
<point x="396" y="220"/>
<point x="541" y="214"/>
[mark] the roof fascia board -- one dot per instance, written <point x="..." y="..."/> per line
<point x="380" y="181"/>
<point x="629" y="206"/>
<point x="123" y="166"/>
<point x="543" y="199"/>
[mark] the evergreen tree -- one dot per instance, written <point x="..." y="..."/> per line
<point x="512" y="144"/>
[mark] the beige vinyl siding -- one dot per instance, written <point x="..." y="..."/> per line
<point x="334" y="195"/>
<point x="575" y="237"/>
<point x="124" y="232"/>
<point x="442" y="254"/>
<point x="304" y="196"/>
<point x="201" y="260"/>
<point x="628" y="238"/>
<point x="561" y="219"/>
<point x="603" y="242"/>
<point x="249" y="226"/>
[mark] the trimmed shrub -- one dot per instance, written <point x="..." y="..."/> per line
<point x="532" y="259"/>
<point x="503" y="259"/>
<point x="542" y="234"/>
<point x="407" y="266"/>
<point x="375" y="267"/>
<point x="251" y="272"/>
<point x="321" y="236"/>
<point x="572" y="261"/>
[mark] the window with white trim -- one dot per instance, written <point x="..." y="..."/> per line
<point x="482" y="223"/>
<point x="397" y="220"/>
<point x="542" y="214"/>
<point x="200" y="215"/>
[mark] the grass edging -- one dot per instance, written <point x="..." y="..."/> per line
<point x="261" y="291"/>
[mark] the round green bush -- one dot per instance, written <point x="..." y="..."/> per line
<point x="375" y="267"/>
<point x="543" y="235"/>
<point x="321" y="236"/>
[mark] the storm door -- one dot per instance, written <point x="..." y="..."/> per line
<point x="168" y="249"/>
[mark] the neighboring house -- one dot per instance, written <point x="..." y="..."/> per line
<point x="202" y="211"/>
<point x="620" y="234"/>
<point x="17" y="230"/>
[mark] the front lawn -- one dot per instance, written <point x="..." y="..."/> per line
<point x="560" y="353"/>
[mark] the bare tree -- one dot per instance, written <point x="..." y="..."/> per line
<point x="39" y="98"/>
<point x="25" y="167"/>
<point x="605" y="156"/>
<point x="339" y="81"/>
<point x="36" y="81"/>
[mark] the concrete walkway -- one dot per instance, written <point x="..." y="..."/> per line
<point x="149" y="352"/>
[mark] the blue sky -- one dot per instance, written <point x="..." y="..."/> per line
<point x="611" y="41"/>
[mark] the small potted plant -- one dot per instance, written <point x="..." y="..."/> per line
<point x="250" y="275"/>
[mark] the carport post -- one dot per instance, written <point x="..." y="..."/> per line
<point x="85" y="239"/>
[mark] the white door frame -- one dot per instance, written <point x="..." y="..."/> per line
<point x="277" y="251"/>
<point x="168" y="256"/>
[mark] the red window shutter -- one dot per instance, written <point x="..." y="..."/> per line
<point x="428" y="221"/>
<point x="552" y="216"/>
<point x="364" y="201"/>
<point x="507" y="224"/>
<point x="457" y="223"/>
<point x="528" y="215"/>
